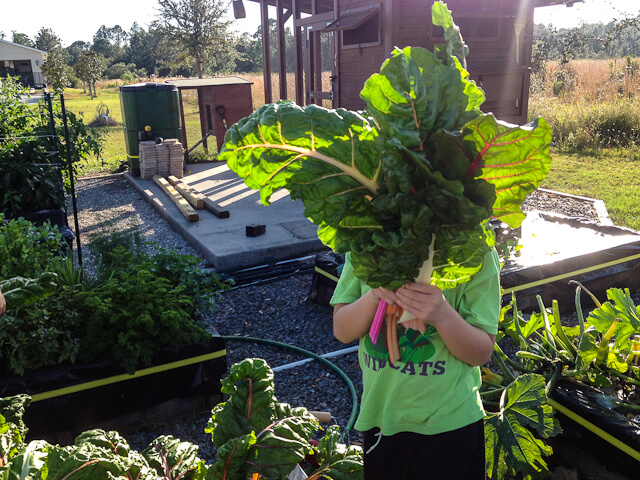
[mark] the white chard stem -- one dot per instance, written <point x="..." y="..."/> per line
<point x="424" y="275"/>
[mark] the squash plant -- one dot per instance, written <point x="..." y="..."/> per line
<point x="599" y="351"/>
<point x="253" y="433"/>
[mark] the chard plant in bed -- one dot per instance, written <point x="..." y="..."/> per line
<point x="408" y="185"/>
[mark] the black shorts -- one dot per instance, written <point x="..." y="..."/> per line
<point x="455" y="455"/>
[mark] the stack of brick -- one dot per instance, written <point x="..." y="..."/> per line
<point x="148" y="160"/>
<point x="162" y="159"/>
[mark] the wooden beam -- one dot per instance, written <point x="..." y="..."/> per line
<point x="282" y="54"/>
<point x="266" y="52"/>
<point x="216" y="209"/>
<point x="176" y="198"/>
<point x="194" y="198"/>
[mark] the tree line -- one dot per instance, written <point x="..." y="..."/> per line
<point x="193" y="38"/>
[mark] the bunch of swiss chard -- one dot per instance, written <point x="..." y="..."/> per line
<point x="408" y="185"/>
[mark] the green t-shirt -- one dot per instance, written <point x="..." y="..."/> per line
<point x="428" y="391"/>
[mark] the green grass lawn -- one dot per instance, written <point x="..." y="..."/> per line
<point x="613" y="176"/>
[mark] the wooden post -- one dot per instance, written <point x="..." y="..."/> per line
<point x="297" y="45"/>
<point x="176" y="198"/>
<point x="266" y="52"/>
<point x="184" y="127"/>
<point x="282" y="54"/>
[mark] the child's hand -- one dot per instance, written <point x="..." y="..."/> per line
<point x="385" y="294"/>
<point x="425" y="302"/>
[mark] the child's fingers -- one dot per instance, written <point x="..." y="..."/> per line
<point x="421" y="287"/>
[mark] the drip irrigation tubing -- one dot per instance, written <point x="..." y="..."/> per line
<point x="269" y="273"/>
<point x="335" y="368"/>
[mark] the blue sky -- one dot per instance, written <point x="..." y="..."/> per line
<point x="75" y="20"/>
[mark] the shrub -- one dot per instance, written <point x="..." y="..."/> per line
<point x="26" y="249"/>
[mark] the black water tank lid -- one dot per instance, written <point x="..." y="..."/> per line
<point x="141" y="87"/>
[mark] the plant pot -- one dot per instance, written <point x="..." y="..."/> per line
<point x="74" y="398"/>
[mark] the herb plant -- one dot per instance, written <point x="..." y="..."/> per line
<point x="135" y="305"/>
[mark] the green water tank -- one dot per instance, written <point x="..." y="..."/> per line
<point x="154" y="105"/>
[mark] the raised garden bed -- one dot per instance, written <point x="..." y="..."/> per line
<point x="69" y="399"/>
<point x="567" y="237"/>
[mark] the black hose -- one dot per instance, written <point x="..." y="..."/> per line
<point x="341" y="374"/>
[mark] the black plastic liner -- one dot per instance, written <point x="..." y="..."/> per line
<point x="591" y="404"/>
<point x="613" y="267"/>
<point x="83" y="410"/>
<point x="327" y="269"/>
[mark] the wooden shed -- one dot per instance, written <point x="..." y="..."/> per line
<point x="222" y="101"/>
<point x="363" y="33"/>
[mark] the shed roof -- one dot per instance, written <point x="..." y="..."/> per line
<point x="208" y="82"/>
<point x="21" y="46"/>
<point x="327" y="5"/>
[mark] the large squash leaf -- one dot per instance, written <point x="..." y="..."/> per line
<point x="337" y="461"/>
<point x="511" y="445"/>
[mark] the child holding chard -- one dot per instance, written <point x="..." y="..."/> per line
<point x="422" y="415"/>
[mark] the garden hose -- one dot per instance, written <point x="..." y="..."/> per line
<point x="335" y="368"/>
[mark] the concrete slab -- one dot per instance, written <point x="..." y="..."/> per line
<point x="223" y="241"/>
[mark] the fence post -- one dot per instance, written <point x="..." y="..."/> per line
<point x="71" y="178"/>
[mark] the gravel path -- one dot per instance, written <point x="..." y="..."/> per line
<point x="277" y="310"/>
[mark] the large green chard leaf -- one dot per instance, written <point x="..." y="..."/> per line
<point x="513" y="159"/>
<point x="455" y="47"/>
<point x="96" y="455"/>
<point x="20" y="291"/>
<point x="337" y="461"/>
<point x="12" y="428"/>
<point x="27" y="463"/>
<point x="231" y="462"/>
<point x="415" y="95"/>
<point x="251" y="405"/>
<point x="172" y="458"/>
<point x="510" y="444"/>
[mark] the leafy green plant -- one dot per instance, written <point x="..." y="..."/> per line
<point x="515" y="433"/>
<point x="598" y="351"/>
<point x="14" y="113"/>
<point x="135" y="305"/>
<point x="253" y="433"/>
<point x="31" y="178"/>
<point x="131" y="316"/>
<point x="33" y="175"/>
<point x="26" y="250"/>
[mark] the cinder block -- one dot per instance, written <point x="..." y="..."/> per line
<point x="255" y="230"/>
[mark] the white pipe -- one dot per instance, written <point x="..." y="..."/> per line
<point x="337" y="353"/>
